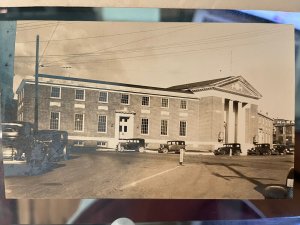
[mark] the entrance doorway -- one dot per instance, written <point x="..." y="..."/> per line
<point x="124" y="125"/>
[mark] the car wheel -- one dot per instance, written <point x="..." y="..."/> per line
<point x="141" y="149"/>
<point x="238" y="153"/>
<point x="122" y="149"/>
<point x="269" y="152"/>
<point x="284" y="152"/>
<point x="165" y="150"/>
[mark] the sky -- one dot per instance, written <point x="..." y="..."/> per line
<point x="165" y="54"/>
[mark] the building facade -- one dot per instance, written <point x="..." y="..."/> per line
<point x="204" y="114"/>
<point x="284" y="132"/>
<point x="265" y="129"/>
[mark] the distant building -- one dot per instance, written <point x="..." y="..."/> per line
<point x="204" y="114"/>
<point x="284" y="132"/>
<point x="265" y="129"/>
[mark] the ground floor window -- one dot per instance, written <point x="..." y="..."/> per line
<point x="164" y="127"/>
<point x="145" y="126"/>
<point x="78" y="122"/>
<point x="78" y="143"/>
<point x="102" y="123"/>
<point x="101" y="144"/>
<point x="182" y="128"/>
<point x="54" y="120"/>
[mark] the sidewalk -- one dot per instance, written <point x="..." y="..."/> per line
<point x="15" y="168"/>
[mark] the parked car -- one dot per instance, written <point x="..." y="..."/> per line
<point x="133" y="144"/>
<point x="235" y="148"/>
<point x="172" y="146"/>
<point x="55" y="144"/>
<point x="17" y="139"/>
<point x="260" y="149"/>
<point x="281" y="149"/>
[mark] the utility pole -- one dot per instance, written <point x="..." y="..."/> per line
<point x="36" y="105"/>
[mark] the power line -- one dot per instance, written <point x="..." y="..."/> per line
<point x="173" y="45"/>
<point x="103" y="36"/>
<point x="49" y="41"/>
<point x="161" y="54"/>
<point x="123" y="44"/>
<point x="183" y="44"/>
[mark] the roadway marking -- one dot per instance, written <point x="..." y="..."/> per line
<point x="146" y="178"/>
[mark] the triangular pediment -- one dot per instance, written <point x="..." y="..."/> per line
<point x="234" y="84"/>
<point x="239" y="86"/>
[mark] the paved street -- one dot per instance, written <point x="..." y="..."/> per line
<point x="144" y="175"/>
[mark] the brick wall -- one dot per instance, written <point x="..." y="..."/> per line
<point x="91" y="112"/>
<point x="211" y="116"/>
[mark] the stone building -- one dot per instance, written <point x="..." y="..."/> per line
<point x="284" y="132"/>
<point x="204" y="114"/>
<point x="265" y="129"/>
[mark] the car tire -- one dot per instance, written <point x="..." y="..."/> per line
<point x="284" y="152"/>
<point x="122" y="149"/>
<point x="165" y="150"/>
<point x="141" y="149"/>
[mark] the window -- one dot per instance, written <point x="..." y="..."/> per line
<point x="103" y="96"/>
<point x="182" y="128"/>
<point x="79" y="94"/>
<point x="125" y="99"/>
<point x="145" y="100"/>
<point x="101" y="144"/>
<point x="55" y="92"/>
<point x="165" y="102"/>
<point x="78" y="122"/>
<point x="102" y="123"/>
<point x="54" y="121"/>
<point x="164" y="127"/>
<point x="78" y="143"/>
<point x="145" y="126"/>
<point x="183" y="104"/>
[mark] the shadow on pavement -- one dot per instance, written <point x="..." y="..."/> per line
<point x="260" y="187"/>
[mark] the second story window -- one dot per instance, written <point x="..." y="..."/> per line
<point x="103" y="96"/>
<point x="146" y="100"/>
<point x="79" y="94"/>
<point x="165" y="102"/>
<point x="55" y="92"/>
<point x="125" y="99"/>
<point x="183" y="104"/>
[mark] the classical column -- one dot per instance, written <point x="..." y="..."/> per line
<point x="230" y="122"/>
<point x="241" y="123"/>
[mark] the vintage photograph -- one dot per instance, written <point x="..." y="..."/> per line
<point x="142" y="110"/>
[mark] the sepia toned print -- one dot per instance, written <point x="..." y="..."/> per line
<point x="149" y="110"/>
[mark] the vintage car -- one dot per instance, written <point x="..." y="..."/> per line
<point x="133" y="144"/>
<point x="55" y="144"/>
<point x="235" y="148"/>
<point x="260" y="149"/>
<point x="281" y="149"/>
<point x="17" y="139"/>
<point x="172" y="146"/>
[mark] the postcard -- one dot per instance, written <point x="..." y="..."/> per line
<point x="135" y="110"/>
